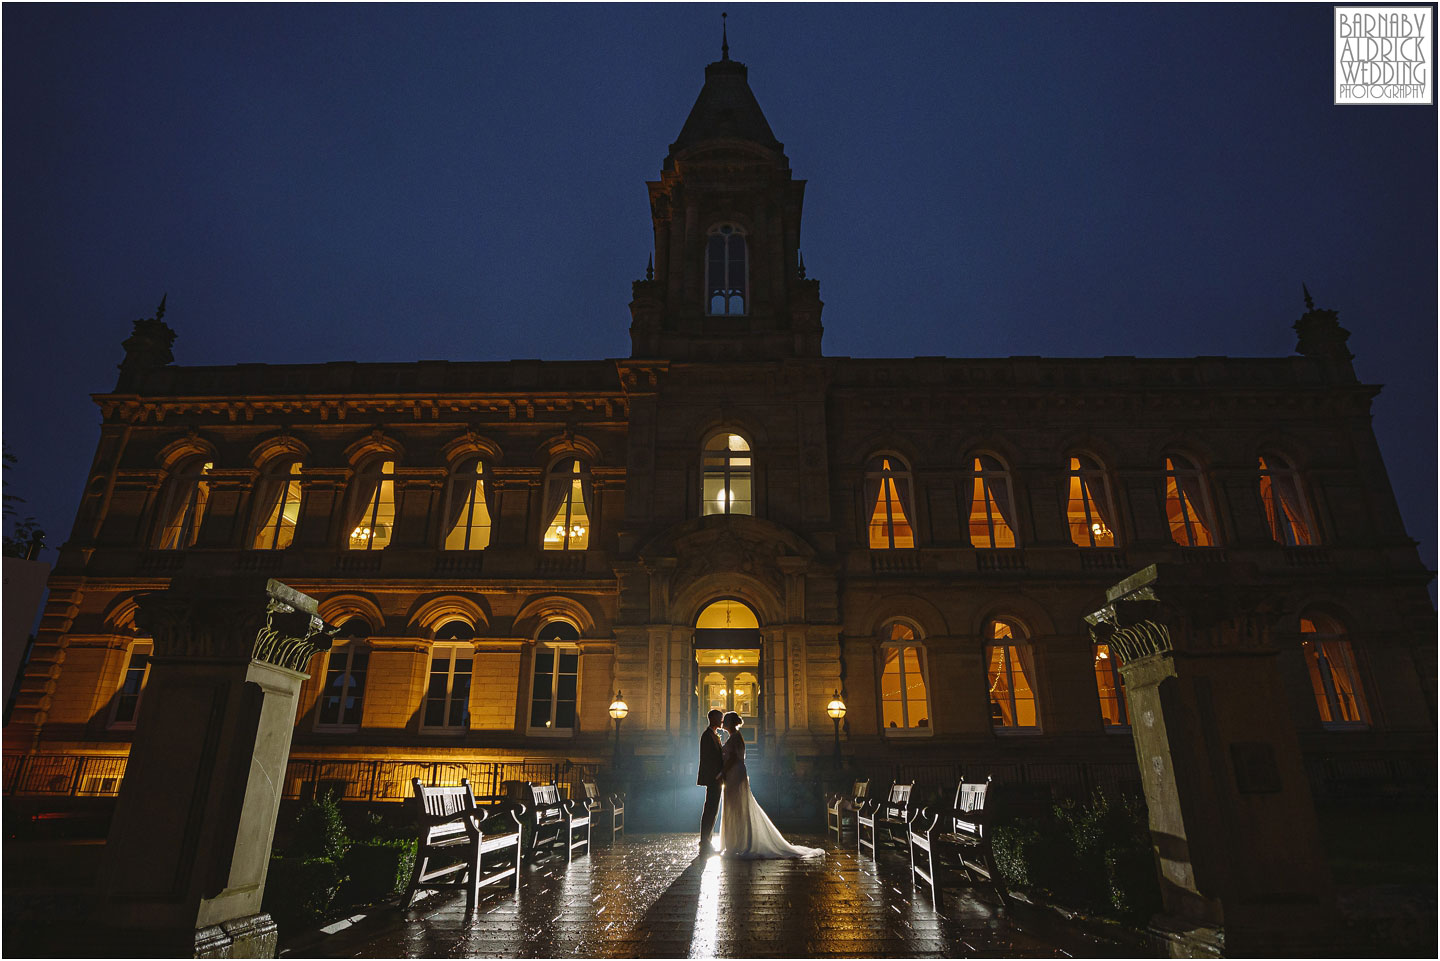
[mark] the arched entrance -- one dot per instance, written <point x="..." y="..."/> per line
<point x="727" y="664"/>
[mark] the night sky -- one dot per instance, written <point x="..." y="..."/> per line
<point x="376" y="183"/>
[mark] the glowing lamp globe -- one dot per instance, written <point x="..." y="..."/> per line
<point x="836" y="707"/>
<point x="618" y="707"/>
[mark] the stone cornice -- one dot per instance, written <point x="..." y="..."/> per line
<point x="605" y="407"/>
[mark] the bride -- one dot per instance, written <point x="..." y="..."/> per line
<point x="745" y="831"/>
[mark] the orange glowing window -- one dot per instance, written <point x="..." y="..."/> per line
<point x="372" y="507"/>
<point x="185" y="506"/>
<point x="467" y="511"/>
<point x="1012" y="673"/>
<point x="888" y="492"/>
<point x="1187" y="504"/>
<point x="1110" y="687"/>
<point x="992" y="512"/>
<point x="567" y="504"/>
<point x="279" y="506"/>
<point x="1334" y="677"/>
<point x="1285" y="507"/>
<point x="904" y="695"/>
<point x="1088" y="509"/>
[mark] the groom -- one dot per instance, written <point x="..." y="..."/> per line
<point x="710" y="765"/>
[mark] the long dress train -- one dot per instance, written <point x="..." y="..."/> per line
<point x="745" y="830"/>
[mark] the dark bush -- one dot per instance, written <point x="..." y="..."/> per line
<point x="376" y="869"/>
<point x="320" y="831"/>
<point x="300" y="890"/>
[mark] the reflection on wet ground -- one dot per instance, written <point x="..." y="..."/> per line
<point x="646" y="897"/>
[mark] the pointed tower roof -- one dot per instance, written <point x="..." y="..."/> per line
<point x="725" y="110"/>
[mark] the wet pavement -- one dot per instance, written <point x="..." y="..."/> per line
<point x="646" y="897"/>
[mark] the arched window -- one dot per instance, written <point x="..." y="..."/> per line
<point x="891" y="504"/>
<point x="343" y="697"/>
<point x="728" y="471"/>
<point x="467" y="509"/>
<point x="447" y="697"/>
<point x="555" y="680"/>
<point x="1111" y="688"/>
<point x="1089" y="509"/>
<point x="185" y="504"/>
<point x="726" y="271"/>
<point x="1012" y="677"/>
<point x="277" y="508"/>
<point x="904" y="692"/>
<point x="992" y="512"/>
<point x="132" y="685"/>
<point x="1334" y="678"/>
<point x="567" y="504"/>
<point x="1285" y="506"/>
<point x="1187" y="503"/>
<point x="372" y="506"/>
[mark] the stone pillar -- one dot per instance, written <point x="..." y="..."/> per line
<point x="1233" y="823"/>
<point x="190" y="842"/>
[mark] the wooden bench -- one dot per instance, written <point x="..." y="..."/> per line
<point x="611" y="808"/>
<point x="450" y="825"/>
<point x="840" y="809"/>
<point x="893" y="812"/>
<point x="557" y="821"/>
<point x="967" y="827"/>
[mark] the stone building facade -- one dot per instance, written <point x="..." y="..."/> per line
<point x="730" y="518"/>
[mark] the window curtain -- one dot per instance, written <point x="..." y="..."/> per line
<point x="872" y="488"/>
<point x="585" y="497"/>
<point x="363" y="489"/>
<point x="268" y="492"/>
<point x="999" y="489"/>
<point x="560" y="479"/>
<point x="1287" y="492"/>
<point x="1190" y="486"/>
<point x="1026" y="653"/>
<point x="1095" y="494"/>
<point x="462" y="483"/>
<point x="902" y="484"/>
<point x="1342" y="674"/>
<point x="485" y="489"/>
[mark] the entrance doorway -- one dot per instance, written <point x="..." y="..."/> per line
<point x="727" y="665"/>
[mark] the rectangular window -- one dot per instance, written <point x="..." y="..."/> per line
<point x="569" y="527"/>
<point x="344" y="693"/>
<point x="1336" y="683"/>
<point x="1111" y="688"/>
<point x="904" y="700"/>
<point x="1012" y="697"/>
<point x="554" y="689"/>
<point x="447" y="698"/>
<point x="132" y="685"/>
<point x="471" y="530"/>
<point x="889" y="527"/>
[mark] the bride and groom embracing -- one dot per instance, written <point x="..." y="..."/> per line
<point x="745" y="831"/>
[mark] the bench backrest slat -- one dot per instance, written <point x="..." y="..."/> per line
<point x="970" y="797"/>
<point x="899" y="801"/>
<point x="861" y="790"/>
<point x="591" y="791"/>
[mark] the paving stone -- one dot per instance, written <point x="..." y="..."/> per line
<point x="645" y="897"/>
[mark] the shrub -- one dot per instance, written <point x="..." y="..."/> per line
<point x="320" y="831"/>
<point x="375" y="870"/>
<point x="300" y="890"/>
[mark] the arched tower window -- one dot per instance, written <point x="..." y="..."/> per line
<point x="1012" y="677"/>
<point x="1111" y="688"/>
<point x="1187" y="504"/>
<point x="1088" y="509"/>
<point x="277" y="508"/>
<point x="1285" y="506"/>
<point x="447" y="696"/>
<point x="555" y="680"/>
<point x="729" y="472"/>
<point x="185" y="505"/>
<point x="372" y="506"/>
<point x="904" y="693"/>
<point x="727" y="283"/>
<point x="567" y="504"/>
<point x="343" y="697"/>
<point x="467" y="510"/>
<point x="1334" y="678"/>
<point x="992" y="512"/>
<point x="889" y="499"/>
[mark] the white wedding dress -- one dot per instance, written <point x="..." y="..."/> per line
<point x="745" y="830"/>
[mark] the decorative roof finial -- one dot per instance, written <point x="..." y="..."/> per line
<point x="650" y="268"/>
<point x="724" y="40"/>
<point x="1309" y="304"/>
<point x="802" y="266"/>
<point x="160" y="311"/>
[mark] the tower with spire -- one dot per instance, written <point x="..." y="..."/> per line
<point x="727" y="281"/>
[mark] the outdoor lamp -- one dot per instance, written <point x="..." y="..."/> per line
<point x="618" y="710"/>
<point x="836" y="710"/>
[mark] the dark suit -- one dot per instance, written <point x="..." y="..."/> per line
<point x="710" y="764"/>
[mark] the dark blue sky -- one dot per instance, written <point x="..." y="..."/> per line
<point x="315" y="183"/>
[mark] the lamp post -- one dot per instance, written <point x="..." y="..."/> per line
<point x="836" y="710"/>
<point x="618" y="710"/>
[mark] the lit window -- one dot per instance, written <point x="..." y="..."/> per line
<point x="1012" y="673"/>
<point x="992" y="516"/>
<point x="373" y="506"/>
<point x="555" y="684"/>
<point x="567" y="504"/>
<point x="447" y="698"/>
<point x="467" y="513"/>
<point x="185" y="508"/>
<point x="904" y="699"/>
<point x="132" y="685"/>
<point x="1333" y="676"/>
<point x="728" y="476"/>
<point x="887" y="492"/>
<point x="1187" y="506"/>
<point x="1089" y="510"/>
<point x="725" y="271"/>
<point x="1285" y="506"/>
<point x="343" y="697"/>
<point x="278" y="506"/>
<point x="1111" y="687"/>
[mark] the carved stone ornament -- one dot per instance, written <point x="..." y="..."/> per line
<point x="235" y="618"/>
